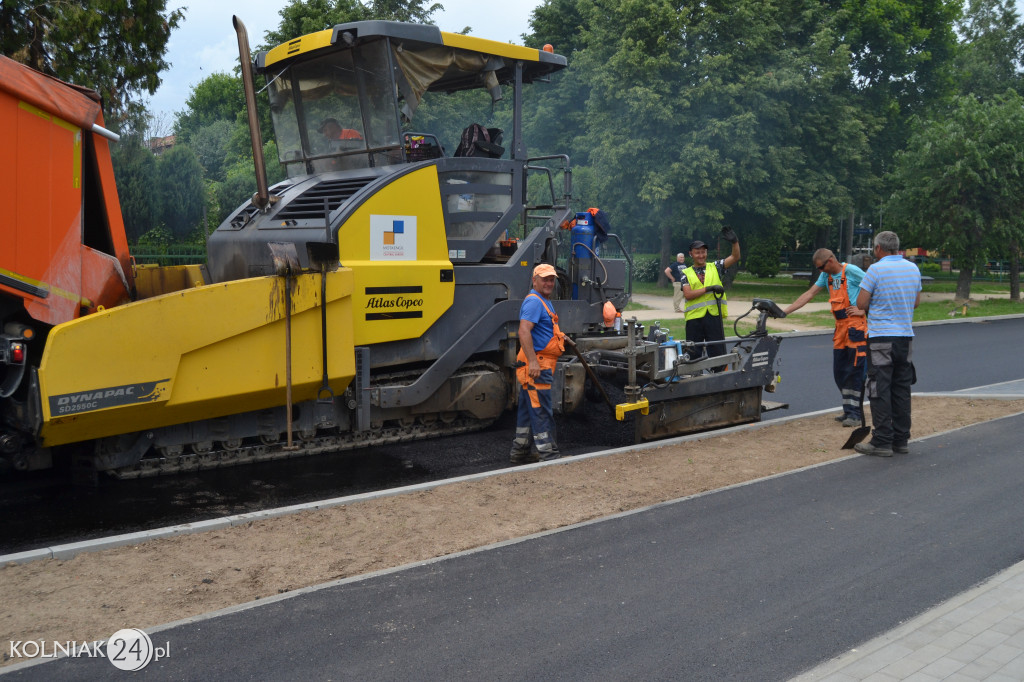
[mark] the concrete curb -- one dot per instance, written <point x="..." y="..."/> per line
<point x="68" y="551"/>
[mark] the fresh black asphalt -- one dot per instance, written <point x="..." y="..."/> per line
<point x="949" y="357"/>
<point x="756" y="582"/>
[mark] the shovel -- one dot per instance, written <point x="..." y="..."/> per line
<point x="862" y="431"/>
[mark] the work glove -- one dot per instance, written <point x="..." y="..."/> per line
<point x="729" y="236"/>
<point x="716" y="289"/>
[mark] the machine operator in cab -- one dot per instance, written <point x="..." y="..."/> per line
<point x="705" y="294"/>
<point x="540" y="345"/>
<point x="332" y="130"/>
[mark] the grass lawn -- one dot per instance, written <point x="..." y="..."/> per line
<point x="940" y="310"/>
<point x="927" y="312"/>
<point x="784" y="290"/>
<point x="746" y="286"/>
<point x="775" y="289"/>
<point x="949" y="287"/>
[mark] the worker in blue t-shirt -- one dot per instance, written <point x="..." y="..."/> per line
<point x="849" y="362"/>
<point x="541" y="344"/>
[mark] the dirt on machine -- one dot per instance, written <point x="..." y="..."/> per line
<point x="370" y="297"/>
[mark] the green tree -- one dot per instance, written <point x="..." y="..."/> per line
<point x="211" y="147"/>
<point x="991" y="54"/>
<point x="415" y="11"/>
<point x="218" y="97"/>
<point x="115" y="47"/>
<point x="135" y="173"/>
<point x="299" y="18"/>
<point x="558" y="23"/>
<point x="959" y="186"/>
<point x="761" y="256"/>
<point x="239" y="184"/>
<point x="901" y="54"/>
<point x="731" y="112"/>
<point x="182" y="194"/>
<point x="989" y="62"/>
<point x="554" y="122"/>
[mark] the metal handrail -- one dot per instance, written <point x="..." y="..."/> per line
<point x="567" y="180"/>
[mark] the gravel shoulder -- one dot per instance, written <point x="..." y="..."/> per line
<point x="140" y="586"/>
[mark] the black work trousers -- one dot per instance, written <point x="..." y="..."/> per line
<point x="890" y="376"/>
<point x="707" y="328"/>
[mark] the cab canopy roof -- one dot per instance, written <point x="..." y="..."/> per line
<point x="453" y="61"/>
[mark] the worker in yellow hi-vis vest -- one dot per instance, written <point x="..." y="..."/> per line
<point x="705" y="294"/>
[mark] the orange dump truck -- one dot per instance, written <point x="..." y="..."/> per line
<point x="72" y="258"/>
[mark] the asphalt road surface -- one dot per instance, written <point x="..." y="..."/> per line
<point x="757" y="582"/>
<point x="40" y="512"/>
<point x="948" y="357"/>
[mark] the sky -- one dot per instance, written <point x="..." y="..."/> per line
<point x="205" y="41"/>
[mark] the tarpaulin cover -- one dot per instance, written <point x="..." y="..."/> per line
<point x="72" y="103"/>
<point x="421" y="68"/>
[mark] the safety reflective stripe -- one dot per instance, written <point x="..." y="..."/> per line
<point x="705" y="303"/>
<point x="701" y="304"/>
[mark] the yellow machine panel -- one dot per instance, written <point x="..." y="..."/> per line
<point x="196" y="354"/>
<point x="153" y="280"/>
<point x="396" y="246"/>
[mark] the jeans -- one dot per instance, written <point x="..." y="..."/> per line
<point x="890" y="376"/>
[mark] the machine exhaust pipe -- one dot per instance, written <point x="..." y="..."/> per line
<point x="261" y="199"/>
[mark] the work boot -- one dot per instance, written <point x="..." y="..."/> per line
<point x="873" y="450"/>
<point x="546" y="454"/>
<point x="522" y="453"/>
<point x="840" y="417"/>
<point x="902" y="449"/>
<point x="522" y="445"/>
<point x="851" y="421"/>
<point x="517" y="458"/>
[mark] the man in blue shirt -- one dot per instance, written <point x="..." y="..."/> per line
<point x="541" y="344"/>
<point x="849" y="365"/>
<point x="889" y="292"/>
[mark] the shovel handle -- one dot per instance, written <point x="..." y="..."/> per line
<point x="590" y="372"/>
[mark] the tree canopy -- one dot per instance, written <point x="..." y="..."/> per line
<point x="115" y="47"/>
<point x="960" y="182"/>
<point x="777" y="117"/>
